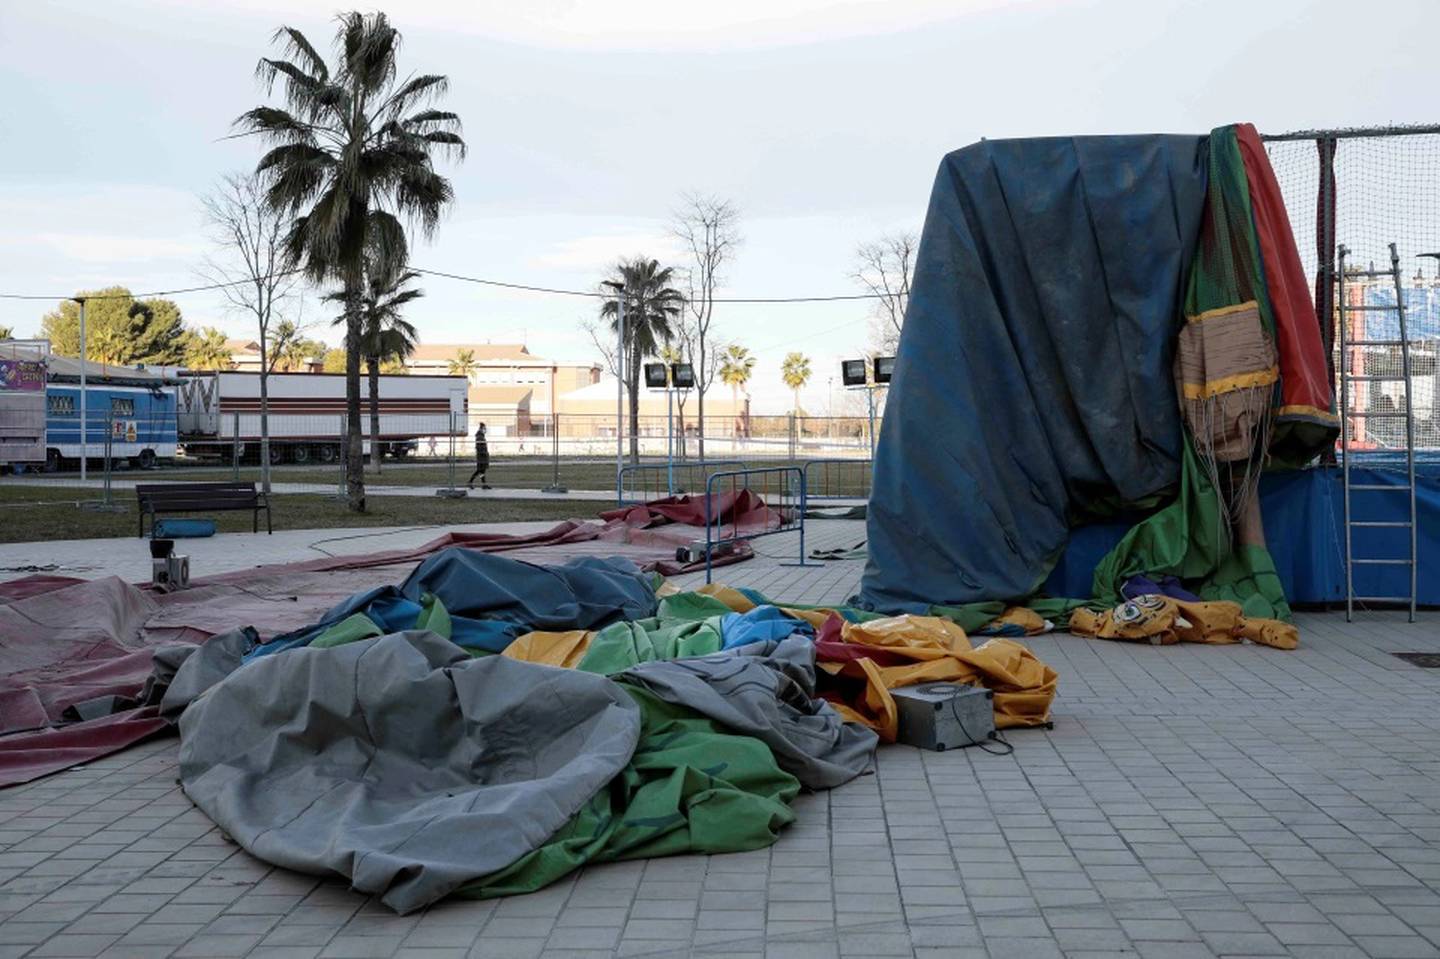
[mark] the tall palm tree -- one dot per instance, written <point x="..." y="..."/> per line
<point x="385" y="335"/>
<point x="290" y="351"/>
<point x="795" y="371"/>
<point x="463" y="363"/>
<point x="351" y="154"/>
<point x="736" y="365"/>
<point x="651" y="305"/>
<point x="208" y="350"/>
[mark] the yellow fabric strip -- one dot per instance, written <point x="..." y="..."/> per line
<point x="1224" y="311"/>
<point x="1313" y="412"/>
<point x="1240" y="381"/>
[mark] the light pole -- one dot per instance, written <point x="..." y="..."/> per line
<point x="854" y="375"/>
<point x="677" y="376"/>
<point x="84" y="426"/>
<point x="619" y="289"/>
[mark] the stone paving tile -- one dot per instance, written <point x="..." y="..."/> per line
<point x="1189" y="802"/>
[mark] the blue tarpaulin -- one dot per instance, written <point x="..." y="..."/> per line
<point x="1305" y="529"/>
<point x="1033" y="380"/>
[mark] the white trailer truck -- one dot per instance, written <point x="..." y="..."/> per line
<point x="219" y="414"/>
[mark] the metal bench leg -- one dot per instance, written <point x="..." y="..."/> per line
<point x="269" y="526"/>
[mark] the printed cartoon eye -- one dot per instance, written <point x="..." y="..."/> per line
<point x="1150" y="601"/>
<point x="1128" y="613"/>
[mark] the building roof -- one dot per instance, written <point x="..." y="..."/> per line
<point x="242" y="346"/>
<point x="68" y="368"/>
<point x="514" y="396"/>
<point x="484" y="352"/>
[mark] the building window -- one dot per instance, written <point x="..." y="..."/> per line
<point x="62" y="405"/>
<point x="122" y="407"/>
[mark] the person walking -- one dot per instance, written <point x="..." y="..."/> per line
<point x="482" y="458"/>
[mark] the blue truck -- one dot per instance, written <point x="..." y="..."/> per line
<point x="135" y="408"/>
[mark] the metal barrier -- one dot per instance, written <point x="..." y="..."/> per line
<point x="837" y="479"/>
<point x="782" y="488"/>
<point x="642" y="482"/>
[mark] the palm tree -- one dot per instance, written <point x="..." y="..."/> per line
<point x="736" y="365"/>
<point x="351" y="153"/>
<point x="208" y="350"/>
<point x="651" y="304"/>
<point x="7" y="333"/>
<point x="289" y="350"/>
<point x="463" y="363"/>
<point x="385" y="335"/>
<point x="795" y="371"/>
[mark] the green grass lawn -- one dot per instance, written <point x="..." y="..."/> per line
<point x="32" y="513"/>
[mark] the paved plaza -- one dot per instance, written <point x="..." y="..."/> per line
<point x="1189" y="802"/>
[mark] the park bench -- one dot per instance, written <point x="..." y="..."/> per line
<point x="158" y="499"/>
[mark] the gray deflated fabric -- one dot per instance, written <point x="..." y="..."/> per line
<point x="400" y="762"/>
<point x="767" y="690"/>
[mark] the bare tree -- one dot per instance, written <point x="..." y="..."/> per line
<point x="708" y="226"/>
<point x="885" y="268"/>
<point x="251" y="261"/>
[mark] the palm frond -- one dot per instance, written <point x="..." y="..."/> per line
<point x="297" y="46"/>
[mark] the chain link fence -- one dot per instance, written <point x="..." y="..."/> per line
<point x="1366" y="189"/>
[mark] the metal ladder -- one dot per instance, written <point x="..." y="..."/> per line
<point x="1347" y="377"/>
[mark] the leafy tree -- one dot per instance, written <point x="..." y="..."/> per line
<point x="463" y="363"/>
<point x="351" y="154"/>
<point x="208" y="351"/>
<point x="7" y="333"/>
<point x="385" y="334"/>
<point x="736" y="366"/>
<point x="119" y="329"/>
<point x="335" y="361"/>
<point x="795" y="371"/>
<point x="651" y="307"/>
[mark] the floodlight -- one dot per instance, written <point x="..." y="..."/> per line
<point x="884" y="368"/>
<point x="682" y="376"/>
<point x="852" y="372"/>
<point x="655" y="376"/>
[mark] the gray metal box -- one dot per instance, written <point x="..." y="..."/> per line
<point x="942" y="716"/>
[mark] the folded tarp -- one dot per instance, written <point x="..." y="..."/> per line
<point x="1033" y="380"/>
<point x="490" y="599"/>
<point x="401" y="763"/>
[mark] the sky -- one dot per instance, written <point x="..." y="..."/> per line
<point x="823" y="122"/>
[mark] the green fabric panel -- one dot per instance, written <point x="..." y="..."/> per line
<point x="619" y="646"/>
<point x="433" y="615"/>
<point x="690" y="788"/>
<point x="971" y="616"/>
<point x="690" y="606"/>
<point x="352" y="628"/>
<point x="1248" y="577"/>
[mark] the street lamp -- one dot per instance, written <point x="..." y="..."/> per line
<point x="678" y="376"/>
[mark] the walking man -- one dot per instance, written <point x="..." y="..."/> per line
<point x="482" y="458"/>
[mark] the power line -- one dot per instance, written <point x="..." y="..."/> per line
<point x="502" y="284"/>
<point x="146" y="296"/>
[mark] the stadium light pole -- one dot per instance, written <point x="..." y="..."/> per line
<point x="84" y="426"/>
<point x="619" y="289"/>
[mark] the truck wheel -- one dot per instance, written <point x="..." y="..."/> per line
<point x="146" y="459"/>
<point x="329" y="454"/>
<point x="52" y="461"/>
<point x="301" y="454"/>
<point x="399" y="452"/>
<point x="277" y="455"/>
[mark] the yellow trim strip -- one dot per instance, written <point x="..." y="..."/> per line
<point x="1311" y="411"/>
<point x="1224" y="311"/>
<point x="1240" y="381"/>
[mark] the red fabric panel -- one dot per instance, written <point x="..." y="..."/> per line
<point x="1303" y="377"/>
<point x="33" y="586"/>
<point x="28" y="756"/>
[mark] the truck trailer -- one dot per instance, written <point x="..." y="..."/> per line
<point x="219" y="414"/>
<point x="23" y="369"/>
<point x="127" y="411"/>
